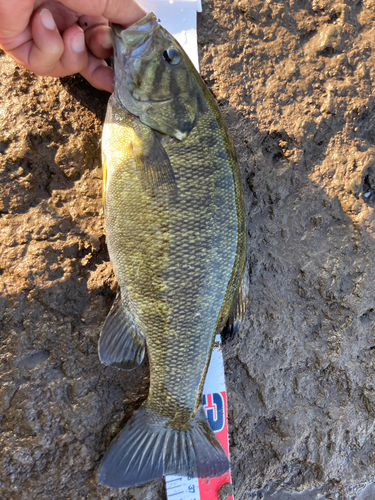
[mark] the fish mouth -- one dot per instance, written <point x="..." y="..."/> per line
<point x="135" y="41"/>
<point x="144" y="25"/>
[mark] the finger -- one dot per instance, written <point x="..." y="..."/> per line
<point x="117" y="11"/>
<point x="48" y="45"/>
<point x="39" y="46"/>
<point x="63" y="16"/>
<point x="74" y="57"/>
<point x="14" y="17"/>
<point x="98" y="35"/>
<point x="87" y="21"/>
<point x="99" y="41"/>
<point x="13" y="43"/>
<point x="99" y="74"/>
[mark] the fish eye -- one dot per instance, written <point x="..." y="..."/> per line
<point x="172" y="55"/>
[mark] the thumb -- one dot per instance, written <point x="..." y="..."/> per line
<point x="124" y="14"/>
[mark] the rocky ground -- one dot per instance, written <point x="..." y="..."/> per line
<point x="294" y="79"/>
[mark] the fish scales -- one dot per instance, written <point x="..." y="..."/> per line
<point x="164" y="259"/>
<point x="176" y="236"/>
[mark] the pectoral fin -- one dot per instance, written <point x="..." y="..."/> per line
<point x="120" y="342"/>
<point x="239" y="304"/>
<point x="155" y="168"/>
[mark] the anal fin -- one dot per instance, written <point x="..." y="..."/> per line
<point x="120" y="342"/>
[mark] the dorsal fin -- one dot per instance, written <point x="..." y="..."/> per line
<point x="239" y="304"/>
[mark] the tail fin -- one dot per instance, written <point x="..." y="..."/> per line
<point x="148" y="449"/>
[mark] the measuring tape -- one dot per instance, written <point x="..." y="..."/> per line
<point x="215" y="407"/>
<point x="179" y="17"/>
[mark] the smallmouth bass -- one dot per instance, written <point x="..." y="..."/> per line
<point x="176" y="235"/>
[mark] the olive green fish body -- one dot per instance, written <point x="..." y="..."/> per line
<point x="176" y="236"/>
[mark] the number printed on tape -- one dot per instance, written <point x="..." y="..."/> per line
<point x="182" y="488"/>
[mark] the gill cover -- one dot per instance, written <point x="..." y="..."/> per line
<point x="154" y="78"/>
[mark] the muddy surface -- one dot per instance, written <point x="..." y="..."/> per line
<point x="294" y="80"/>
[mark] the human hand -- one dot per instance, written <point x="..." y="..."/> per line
<point x="59" y="38"/>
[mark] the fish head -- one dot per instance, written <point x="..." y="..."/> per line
<point x="154" y="78"/>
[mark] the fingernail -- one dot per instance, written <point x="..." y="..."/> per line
<point x="78" y="42"/>
<point x="47" y="19"/>
<point x="107" y="40"/>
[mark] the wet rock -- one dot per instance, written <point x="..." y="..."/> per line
<point x="295" y="82"/>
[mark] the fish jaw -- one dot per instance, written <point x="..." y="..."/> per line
<point x="125" y="42"/>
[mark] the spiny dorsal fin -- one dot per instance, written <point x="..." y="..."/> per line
<point x="120" y="342"/>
